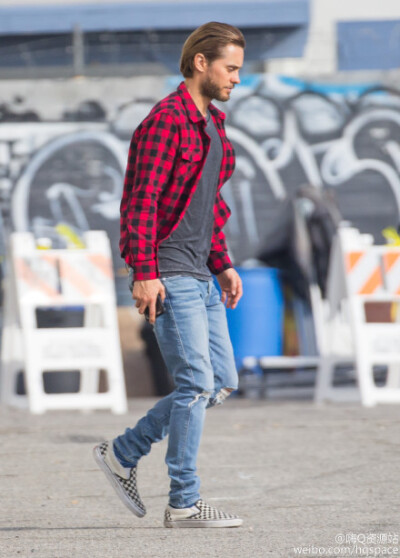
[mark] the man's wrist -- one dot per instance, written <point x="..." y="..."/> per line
<point x="145" y="271"/>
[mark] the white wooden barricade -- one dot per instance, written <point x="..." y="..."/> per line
<point x="61" y="279"/>
<point x="361" y="272"/>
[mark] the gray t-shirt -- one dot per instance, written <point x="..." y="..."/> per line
<point x="186" y="250"/>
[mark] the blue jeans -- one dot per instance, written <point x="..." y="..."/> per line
<point x="194" y="340"/>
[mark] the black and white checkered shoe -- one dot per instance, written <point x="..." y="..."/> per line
<point x="199" y="515"/>
<point x="122" y="479"/>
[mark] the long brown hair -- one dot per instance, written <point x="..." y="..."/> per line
<point x="208" y="39"/>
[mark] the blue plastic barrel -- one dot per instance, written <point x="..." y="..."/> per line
<point x="256" y="324"/>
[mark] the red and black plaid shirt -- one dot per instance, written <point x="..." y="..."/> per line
<point x="166" y="157"/>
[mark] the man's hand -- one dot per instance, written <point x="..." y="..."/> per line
<point x="231" y="286"/>
<point x="145" y="293"/>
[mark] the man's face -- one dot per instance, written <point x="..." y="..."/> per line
<point x="222" y="74"/>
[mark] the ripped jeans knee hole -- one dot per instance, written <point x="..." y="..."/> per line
<point x="221" y="396"/>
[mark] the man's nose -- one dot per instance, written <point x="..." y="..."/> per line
<point x="236" y="78"/>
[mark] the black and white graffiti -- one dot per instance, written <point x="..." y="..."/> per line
<point x="286" y="134"/>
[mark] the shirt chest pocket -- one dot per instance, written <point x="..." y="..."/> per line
<point x="190" y="154"/>
<point x="189" y="165"/>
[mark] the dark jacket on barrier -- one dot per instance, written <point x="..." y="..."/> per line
<point x="301" y="242"/>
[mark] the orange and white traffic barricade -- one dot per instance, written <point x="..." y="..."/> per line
<point x="61" y="279"/>
<point x="362" y="274"/>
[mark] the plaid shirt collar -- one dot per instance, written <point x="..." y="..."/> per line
<point x="191" y="109"/>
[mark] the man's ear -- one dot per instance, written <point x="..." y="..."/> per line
<point x="200" y="62"/>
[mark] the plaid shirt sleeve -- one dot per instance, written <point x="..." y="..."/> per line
<point x="219" y="260"/>
<point x="150" y="164"/>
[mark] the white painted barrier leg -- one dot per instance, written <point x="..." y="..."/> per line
<point x="393" y="377"/>
<point x="324" y="387"/>
<point x="324" y="380"/>
<point x="90" y="377"/>
<point x="366" y="382"/>
<point x="11" y="365"/>
<point x="34" y="386"/>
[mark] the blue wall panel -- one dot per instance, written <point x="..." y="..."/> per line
<point x="368" y="45"/>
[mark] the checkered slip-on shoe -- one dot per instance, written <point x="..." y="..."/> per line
<point x="122" y="479"/>
<point x="199" y="515"/>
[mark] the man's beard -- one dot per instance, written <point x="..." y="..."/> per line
<point x="210" y="89"/>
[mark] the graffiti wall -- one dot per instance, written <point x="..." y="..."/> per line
<point x="62" y="157"/>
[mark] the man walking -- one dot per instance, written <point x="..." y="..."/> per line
<point x="172" y="215"/>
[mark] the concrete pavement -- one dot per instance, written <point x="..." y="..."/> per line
<point x="298" y="474"/>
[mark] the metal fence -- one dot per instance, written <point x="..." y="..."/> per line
<point x="121" y="53"/>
